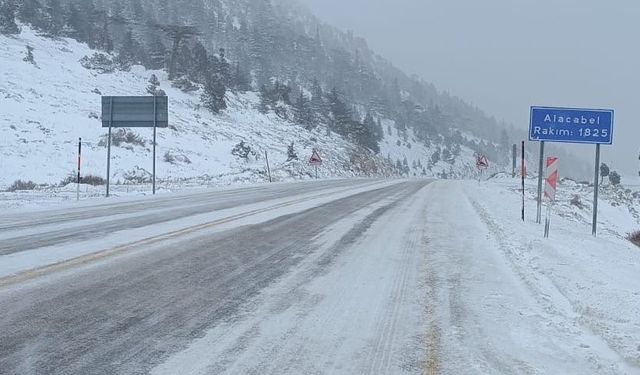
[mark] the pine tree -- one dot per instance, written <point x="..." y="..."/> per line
<point x="104" y="41"/>
<point x="291" y="153"/>
<point x="435" y="157"/>
<point x="604" y="172"/>
<point x="504" y="139"/>
<point x="154" y="86"/>
<point x="29" y="58"/>
<point x="199" y="66"/>
<point x="317" y="99"/>
<point x="375" y="128"/>
<point x="360" y="134"/>
<point x="614" y="178"/>
<point x="341" y="116"/>
<point x="399" y="166"/>
<point x="8" y="24"/>
<point x="76" y="23"/>
<point x="128" y="51"/>
<point x="54" y="17"/>
<point x="156" y="56"/>
<point x="85" y="24"/>
<point x="183" y="63"/>
<point x="303" y="112"/>
<point x="240" y="80"/>
<point x="213" y="97"/>
<point x="30" y="12"/>
<point x="177" y="34"/>
<point x="265" y="102"/>
<point x="223" y="69"/>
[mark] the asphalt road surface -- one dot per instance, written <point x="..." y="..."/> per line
<point x="307" y="278"/>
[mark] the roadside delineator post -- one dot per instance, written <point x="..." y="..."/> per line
<point x="551" y="183"/>
<point x="78" y="177"/>
<point x="266" y="156"/>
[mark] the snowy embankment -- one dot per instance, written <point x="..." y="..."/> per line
<point x="506" y="300"/>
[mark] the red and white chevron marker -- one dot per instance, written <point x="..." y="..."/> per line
<point x="552" y="179"/>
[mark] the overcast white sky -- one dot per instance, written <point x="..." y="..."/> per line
<point x="506" y="55"/>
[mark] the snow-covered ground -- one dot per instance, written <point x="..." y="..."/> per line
<point x="505" y="300"/>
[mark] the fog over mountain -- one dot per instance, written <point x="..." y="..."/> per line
<point x="506" y="55"/>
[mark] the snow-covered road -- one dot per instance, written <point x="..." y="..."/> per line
<point x="330" y="268"/>
<point x="335" y="277"/>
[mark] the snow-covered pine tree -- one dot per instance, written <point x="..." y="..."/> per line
<point x="303" y="112"/>
<point x="30" y="58"/>
<point x="291" y="153"/>
<point x="213" y="97"/>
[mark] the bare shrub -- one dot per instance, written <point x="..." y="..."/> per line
<point x="576" y="201"/>
<point x="634" y="238"/>
<point x="88" y="179"/>
<point x="21" y="185"/>
<point x="123" y="137"/>
<point x="93" y="180"/>
<point x="98" y="62"/>
<point x="172" y="158"/>
<point x="242" y="150"/>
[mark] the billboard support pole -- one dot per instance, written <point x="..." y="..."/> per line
<point x="109" y="144"/>
<point x="155" y="126"/>
<point x="596" y="188"/>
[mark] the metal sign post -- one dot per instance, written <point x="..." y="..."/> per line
<point x="596" y="188"/>
<point x="540" y="174"/>
<point x="155" y="126"/>
<point x="108" y="140"/>
<point x="515" y="161"/>
<point x="134" y="112"/>
<point x="523" y="173"/>
<point x="78" y="179"/>
<point x="575" y="125"/>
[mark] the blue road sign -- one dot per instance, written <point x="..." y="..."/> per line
<point x="571" y="125"/>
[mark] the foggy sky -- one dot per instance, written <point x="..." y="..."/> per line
<point x="507" y="55"/>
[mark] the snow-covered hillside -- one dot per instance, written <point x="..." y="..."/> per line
<point x="49" y="104"/>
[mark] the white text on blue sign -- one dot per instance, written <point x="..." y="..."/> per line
<point x="571" y="125"/>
